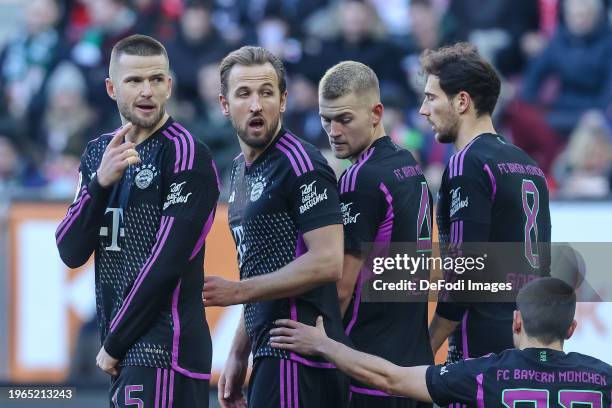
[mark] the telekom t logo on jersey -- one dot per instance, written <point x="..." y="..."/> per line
<point x="116" y="231"/>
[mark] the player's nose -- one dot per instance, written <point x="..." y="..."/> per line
<point x="255" y="104"/>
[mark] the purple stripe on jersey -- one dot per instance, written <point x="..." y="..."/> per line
<point x="492" y="178"/>
<point x="295" y="152"/>
<point x="309" y="363"/>
<point x="464" y="337"/>
<point x="164" y="382"/>
<point x="157" y="382"/>
<point x="185" y="151"/>
<point x="356" y="302"/>
<point x="347" y="177"/>
<point x="463" y="152"/>
<point x="288" y="368"/>
<point x="451" y="174"/>
<point x="74" y="205"/>
<point x="367" y="391"/>
<point x="191" y="144"/>
<point x="177" y="150"/>
<point x="452" y="234"/>
<point x="73" y="218"/>
<point x="295" y="386"/>
<point x="455" y="164"/>
<point x="460" y="233"/>
<point x="480" y="392"/>
<point x="114" y="399"/>
<point x="282" y="383"/>
<point x="214" y="166"/>
<point x="291" y="159"/>
<point x="365" y="159"/>
<point x="309" y="165"/>
<point x="171" y="396"/>
<point x="190" y="374"/>
<point x="386" y="227"/>
<point x="176" y="338"/>
<point x="343" y="182"/>
<point x="143" y="273"/>
<point x="207" y="226"/>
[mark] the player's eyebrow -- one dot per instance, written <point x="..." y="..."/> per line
<point x="338" y="116"/>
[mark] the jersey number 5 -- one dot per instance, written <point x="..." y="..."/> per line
<point x="531" y="205"/>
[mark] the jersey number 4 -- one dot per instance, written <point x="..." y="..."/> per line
<point x="531" y="205"/>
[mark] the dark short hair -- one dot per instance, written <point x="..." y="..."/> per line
<point x="459" y="68"/>
<point x="249" y="56"/>
<point x="346" y="77"/>
<point x="547" y="307"/>
<point x="140" y="45"/>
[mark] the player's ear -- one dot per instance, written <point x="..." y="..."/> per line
<point x="462" y="102"/>
<point x="224" y="105"/>
<point x="570" y="331"/>
<point x="377" y="113"/>
<point x="517" y="322"/>
<point x="110" y="89"/>
<point x="283" y="102"/>
<point x="169" y="94"/>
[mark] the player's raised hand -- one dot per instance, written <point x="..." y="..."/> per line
<point x="229" y="387"/>
<point x="221" y="292"/>
<point x="298" y="337"/>
<point x="117" y="157"/>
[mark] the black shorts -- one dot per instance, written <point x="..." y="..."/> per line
<point x="278" y="383"/>
<point x="365" y="398"/>
<point x="157" y="388"/>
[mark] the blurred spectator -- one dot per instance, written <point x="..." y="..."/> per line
<point x="210" y="125"/>
<point x="196" y="43"/>
<point x="496" y="27"/>
<point x="15" y="171"/>
<point x="27" y="59"/>
<point x="577" y="61"/>
<point x="360" y="38"/>
<point x="111" y="20"/>
<point x="584" y="169"/>
<point x="68" y="117"/>
<point x="302" y="116"/>
<point x="157" y="17"/>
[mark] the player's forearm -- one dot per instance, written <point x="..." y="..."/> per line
<point x="241" y="345"/>
<point x="303" y="274"/>
<point x="439" y="330"/>
<point x="78" y="233"/>
<point x="376" y="372"/>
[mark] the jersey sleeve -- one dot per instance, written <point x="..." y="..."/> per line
<point x="362" y="212"/>
<point x="187" y="215"/>
<point x="460" y="382"/>
<point x="314" y="198"/>
<point x="470" y="200"/>
<point x="78" y="233"/>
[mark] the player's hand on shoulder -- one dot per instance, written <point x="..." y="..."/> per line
<point x="298" y="337"/>
<point x="221" y="292"/>
<point x="117" y="157"/>
<point x="107" y="363"/>
<point x="229" y="387"/>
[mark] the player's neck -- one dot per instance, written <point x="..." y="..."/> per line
<point x="139" y="135"/>
<point x="252" y="153"/>
<point x="379" y="132"/>
<point x="529" y="342"/>
<point x="471" y="127"/>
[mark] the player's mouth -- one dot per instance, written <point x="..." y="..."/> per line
<point x="145" y="107"/>
<point x="256" y="124"/>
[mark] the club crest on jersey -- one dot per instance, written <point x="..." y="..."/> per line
<point x="144" y="176"/>
<point x="176" y="195"/>
<point x="456" y="202"/>
<point x="257" y="188"/>
<point x="346" y="214"/>
<point x="310" y="198"/>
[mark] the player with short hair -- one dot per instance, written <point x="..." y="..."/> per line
<point x="385" y="200"/>
<point x="536" y="373"/>
<point x="284" y="215"/>
<point x="491" y="191"/>
<point x="145" y="203"/>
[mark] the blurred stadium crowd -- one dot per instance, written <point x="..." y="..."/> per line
<point x="555" y="57"/>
